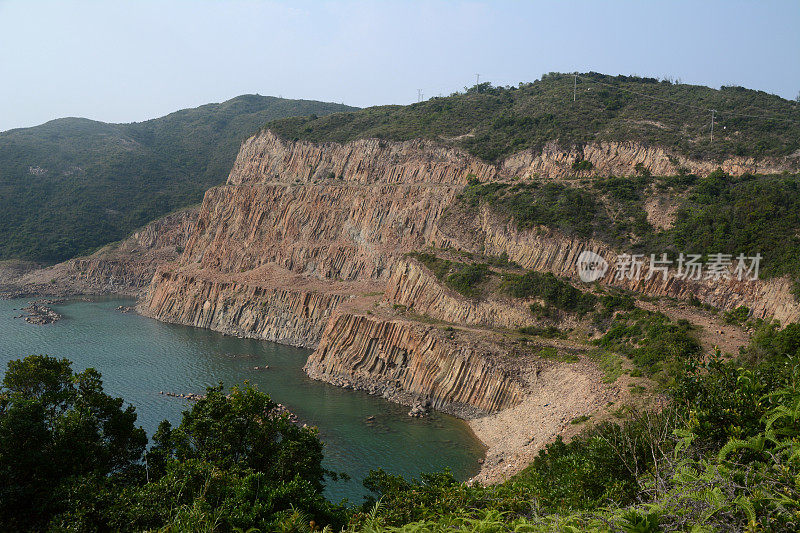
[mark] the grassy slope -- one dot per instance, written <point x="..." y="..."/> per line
<point x="505" y="120"/>
<point x="104" y="180"/>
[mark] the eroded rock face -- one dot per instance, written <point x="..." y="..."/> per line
<point x="620" y="159"/>
<point x="301" y="233"/>
<point x="262" y="311"/>
<point x="331" y="214"/>
<point x="326" y="230"/>
<point x="547" y="251"/>
<point x="406" y="362"/>
<point x="414" y="286"/>
<point x="265" y="158"/>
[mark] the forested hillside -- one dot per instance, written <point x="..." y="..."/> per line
<point x="493" y="122"/>
<point x="72" y="184"/>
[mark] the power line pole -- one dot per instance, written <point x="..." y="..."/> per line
<point x="419" y="95"/>
<point x="477" y="80"/>
<point x="713" y="112"/>
<point x="574" y="87"/>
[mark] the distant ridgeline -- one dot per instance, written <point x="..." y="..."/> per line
<point x="494" y="122"/>
<point x="72" y="185"/>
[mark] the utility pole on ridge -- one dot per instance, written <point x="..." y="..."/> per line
<point x="713" y="112"/>
<point x="574" y="86"/>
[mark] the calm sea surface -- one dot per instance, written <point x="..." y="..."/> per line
<point x="139" y="357"/>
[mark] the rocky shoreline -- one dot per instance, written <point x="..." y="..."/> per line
<point x="419" y="405"/>
<point x="501" y="433"/>
<point x="39" y="313"/>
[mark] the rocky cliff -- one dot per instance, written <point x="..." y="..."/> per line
<point x="300" y="234"/>
<point x="328" y="214"/>
<point x="547" y="250"/>
<point x="304" y="240"/>
<point x="266" y="157"/>
<point x="408" y="362"/>
<point x="414" y="286"/>
<point x="264" y="308"/>
<point x="621" y="159"/>
<point x="307" y="245"/>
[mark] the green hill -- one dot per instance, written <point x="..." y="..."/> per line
<point x="72" y="184"/>
<point x="498" y="121"/>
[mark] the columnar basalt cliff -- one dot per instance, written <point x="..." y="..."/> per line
<point x="621" y="159"/>
<point x="261" y="310"/>
<point x="331" y="214"/>
<point x="308" y="245"/>
<point x="266" y="157"/>
<point x="326" y="230"/>
<point x="407" y="362"/>
<point x="547" y="250"/>
<point x="414" y="286"/>
<point x="301" y="233"/>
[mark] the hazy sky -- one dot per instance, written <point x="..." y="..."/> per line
<point x="130" y="61"/>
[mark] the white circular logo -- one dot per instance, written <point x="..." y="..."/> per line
<point x="591" y="266"/>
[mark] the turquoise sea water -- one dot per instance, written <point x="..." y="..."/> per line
<point x="139" y="357"/>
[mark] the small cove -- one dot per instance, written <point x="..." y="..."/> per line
<point x="140" y="357"/>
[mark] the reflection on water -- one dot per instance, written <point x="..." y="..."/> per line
<point x="140" y="357"/>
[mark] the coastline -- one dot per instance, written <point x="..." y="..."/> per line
<point x="511" y="438"/>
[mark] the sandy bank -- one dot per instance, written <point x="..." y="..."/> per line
<point x="558" y="395"/>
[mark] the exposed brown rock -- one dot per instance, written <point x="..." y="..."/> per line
<point x="406" y="361"/>
<point x="414" y="286"/>
<point x="296" y="218"/>
<point x="326" y="230"/>
<point x="620" y="159"/>
<point x="269" y="308"/>
<point x="303" y="240"/>
<point x="265" y="158"/>
<point x="546" y="250"/>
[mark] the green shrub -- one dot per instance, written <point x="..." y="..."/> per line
<point x="599" y="467"/>
<point x="554" y="291"/>
<point x="745" y="215"/>
<point x="622" y="189"/>
<point x="548" y="332"/>
<point x="729" y="398"/>
<point x="581" y="164"/>
<point x="467" y="278"/>
<point x="58" y="431"/>
<point x="737" y="316"/>
<point x="462" y="277"/>
<point x="439" y="267"/>
<point x="554" y="205"/>
<point x="653" y="342"/>
<point x="435" y="496"/>
<point x="71" y="459"/>
<point x="504" y="120"/>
